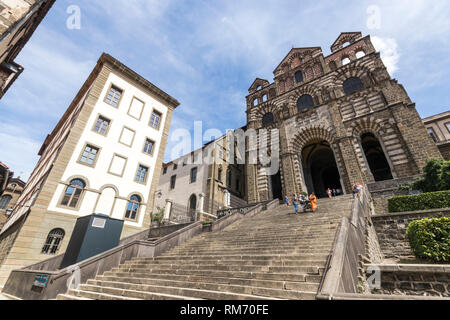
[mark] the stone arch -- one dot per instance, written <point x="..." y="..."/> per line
<point x="109" y="186"/>
<point x="310" y="134"/>
<point x="383" y="131"/>
<point x="258" y="114"/>
<point x="310" y="89"/>
<point x="369" y="124"/>
<point x="348" y="71"/>
<point x="106" y="200"/>
<point x="86" y="180"/>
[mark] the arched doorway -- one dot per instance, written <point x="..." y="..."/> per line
<point x="378" y="164"/>
<point x="192" y="206"/>
<point x="320" y="170"/>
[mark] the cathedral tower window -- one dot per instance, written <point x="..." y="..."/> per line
<point x="352" y="85"/>
<point x="299" y="77"/>
<point x="305" y="102"/>
<point x="267" y="119"/>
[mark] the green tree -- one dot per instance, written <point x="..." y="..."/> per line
<point x="436" y="177"/>
<point x="445" y="176"/>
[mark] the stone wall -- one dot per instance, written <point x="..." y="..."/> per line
<point x="381" y="191"/>
<point x="391" y="230"/>
<point x="417" y="280"/>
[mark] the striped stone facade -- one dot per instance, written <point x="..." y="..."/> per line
<point x="382" y="108"/>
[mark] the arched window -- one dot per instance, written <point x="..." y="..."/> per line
<point x="255" y="102"/>
<point x="73" y="193"/>
<point x="229" y="178"/>
<point x="299" y="76"/>
<point x="133" y="207"/>
<point x="332" y="65"/>
<point x="345" y="61"/>
<point x="267" y="119"/>
<point x="305" y="102"/>
<point x="352" y="85"/>
<point x="53" y="242"/>
<point x="4" y="201"/>
<point x="360" y="54"/>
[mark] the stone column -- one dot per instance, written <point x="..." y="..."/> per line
<point x="168" y="209"/>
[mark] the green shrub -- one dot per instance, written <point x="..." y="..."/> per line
<point x="159" y="215"/>
<point x="424" y="201"/>
<point x="430" y="238"/>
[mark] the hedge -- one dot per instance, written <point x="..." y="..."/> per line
<point x="430" y="238"/>
<point x="424" y="201"/>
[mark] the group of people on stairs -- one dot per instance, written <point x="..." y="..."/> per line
<point x="302" y="202"/>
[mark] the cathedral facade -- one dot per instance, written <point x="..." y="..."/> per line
<point x="342" y="119"/>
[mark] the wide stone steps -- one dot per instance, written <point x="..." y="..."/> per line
<point x="273" y="255"/>
<point x="303" y="235"/>
<point x="196" y="282"/>
<point x="276" y="263"/>
<point x="152" y="292"/>
<point x="208" y="290"/>
<point x="200" y="274"/>
<point x="220" y="257"/>
<point x="272" y="245"/>
<point x="228" y="251"/>
<point x="89" y="292"/>
<point x="218" y="267"/>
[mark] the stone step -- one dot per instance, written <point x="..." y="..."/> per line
<point x="277" y="263"/>
<point x="256" y="248"/>
<point x="172" y="293"/>
<point x="257" y="244"/>
<point x="70" y="297"/>
<point x="169" y="274"/>
<point x="192" y="268"/>
<point x="250" y="250"/>
<point x="213" y="283"/>
<point x="209" y="291"/>
<point x="323" y="235"/>
<point x="266" y="257"/>
<point x="112" y="293"/>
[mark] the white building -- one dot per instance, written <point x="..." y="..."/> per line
<point x="104" y="156"/>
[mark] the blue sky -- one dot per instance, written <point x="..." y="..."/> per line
<point x="207" y="53"/>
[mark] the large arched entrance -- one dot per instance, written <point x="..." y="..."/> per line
<point x="319" y="168"/>
<point x="376" y="159"/>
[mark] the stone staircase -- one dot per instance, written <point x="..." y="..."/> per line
<point x="273" y="255"/>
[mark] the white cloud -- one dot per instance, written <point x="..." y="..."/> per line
<point x="389" y="53"/>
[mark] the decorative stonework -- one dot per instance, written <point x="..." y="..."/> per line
<point x="381" y="108"/>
